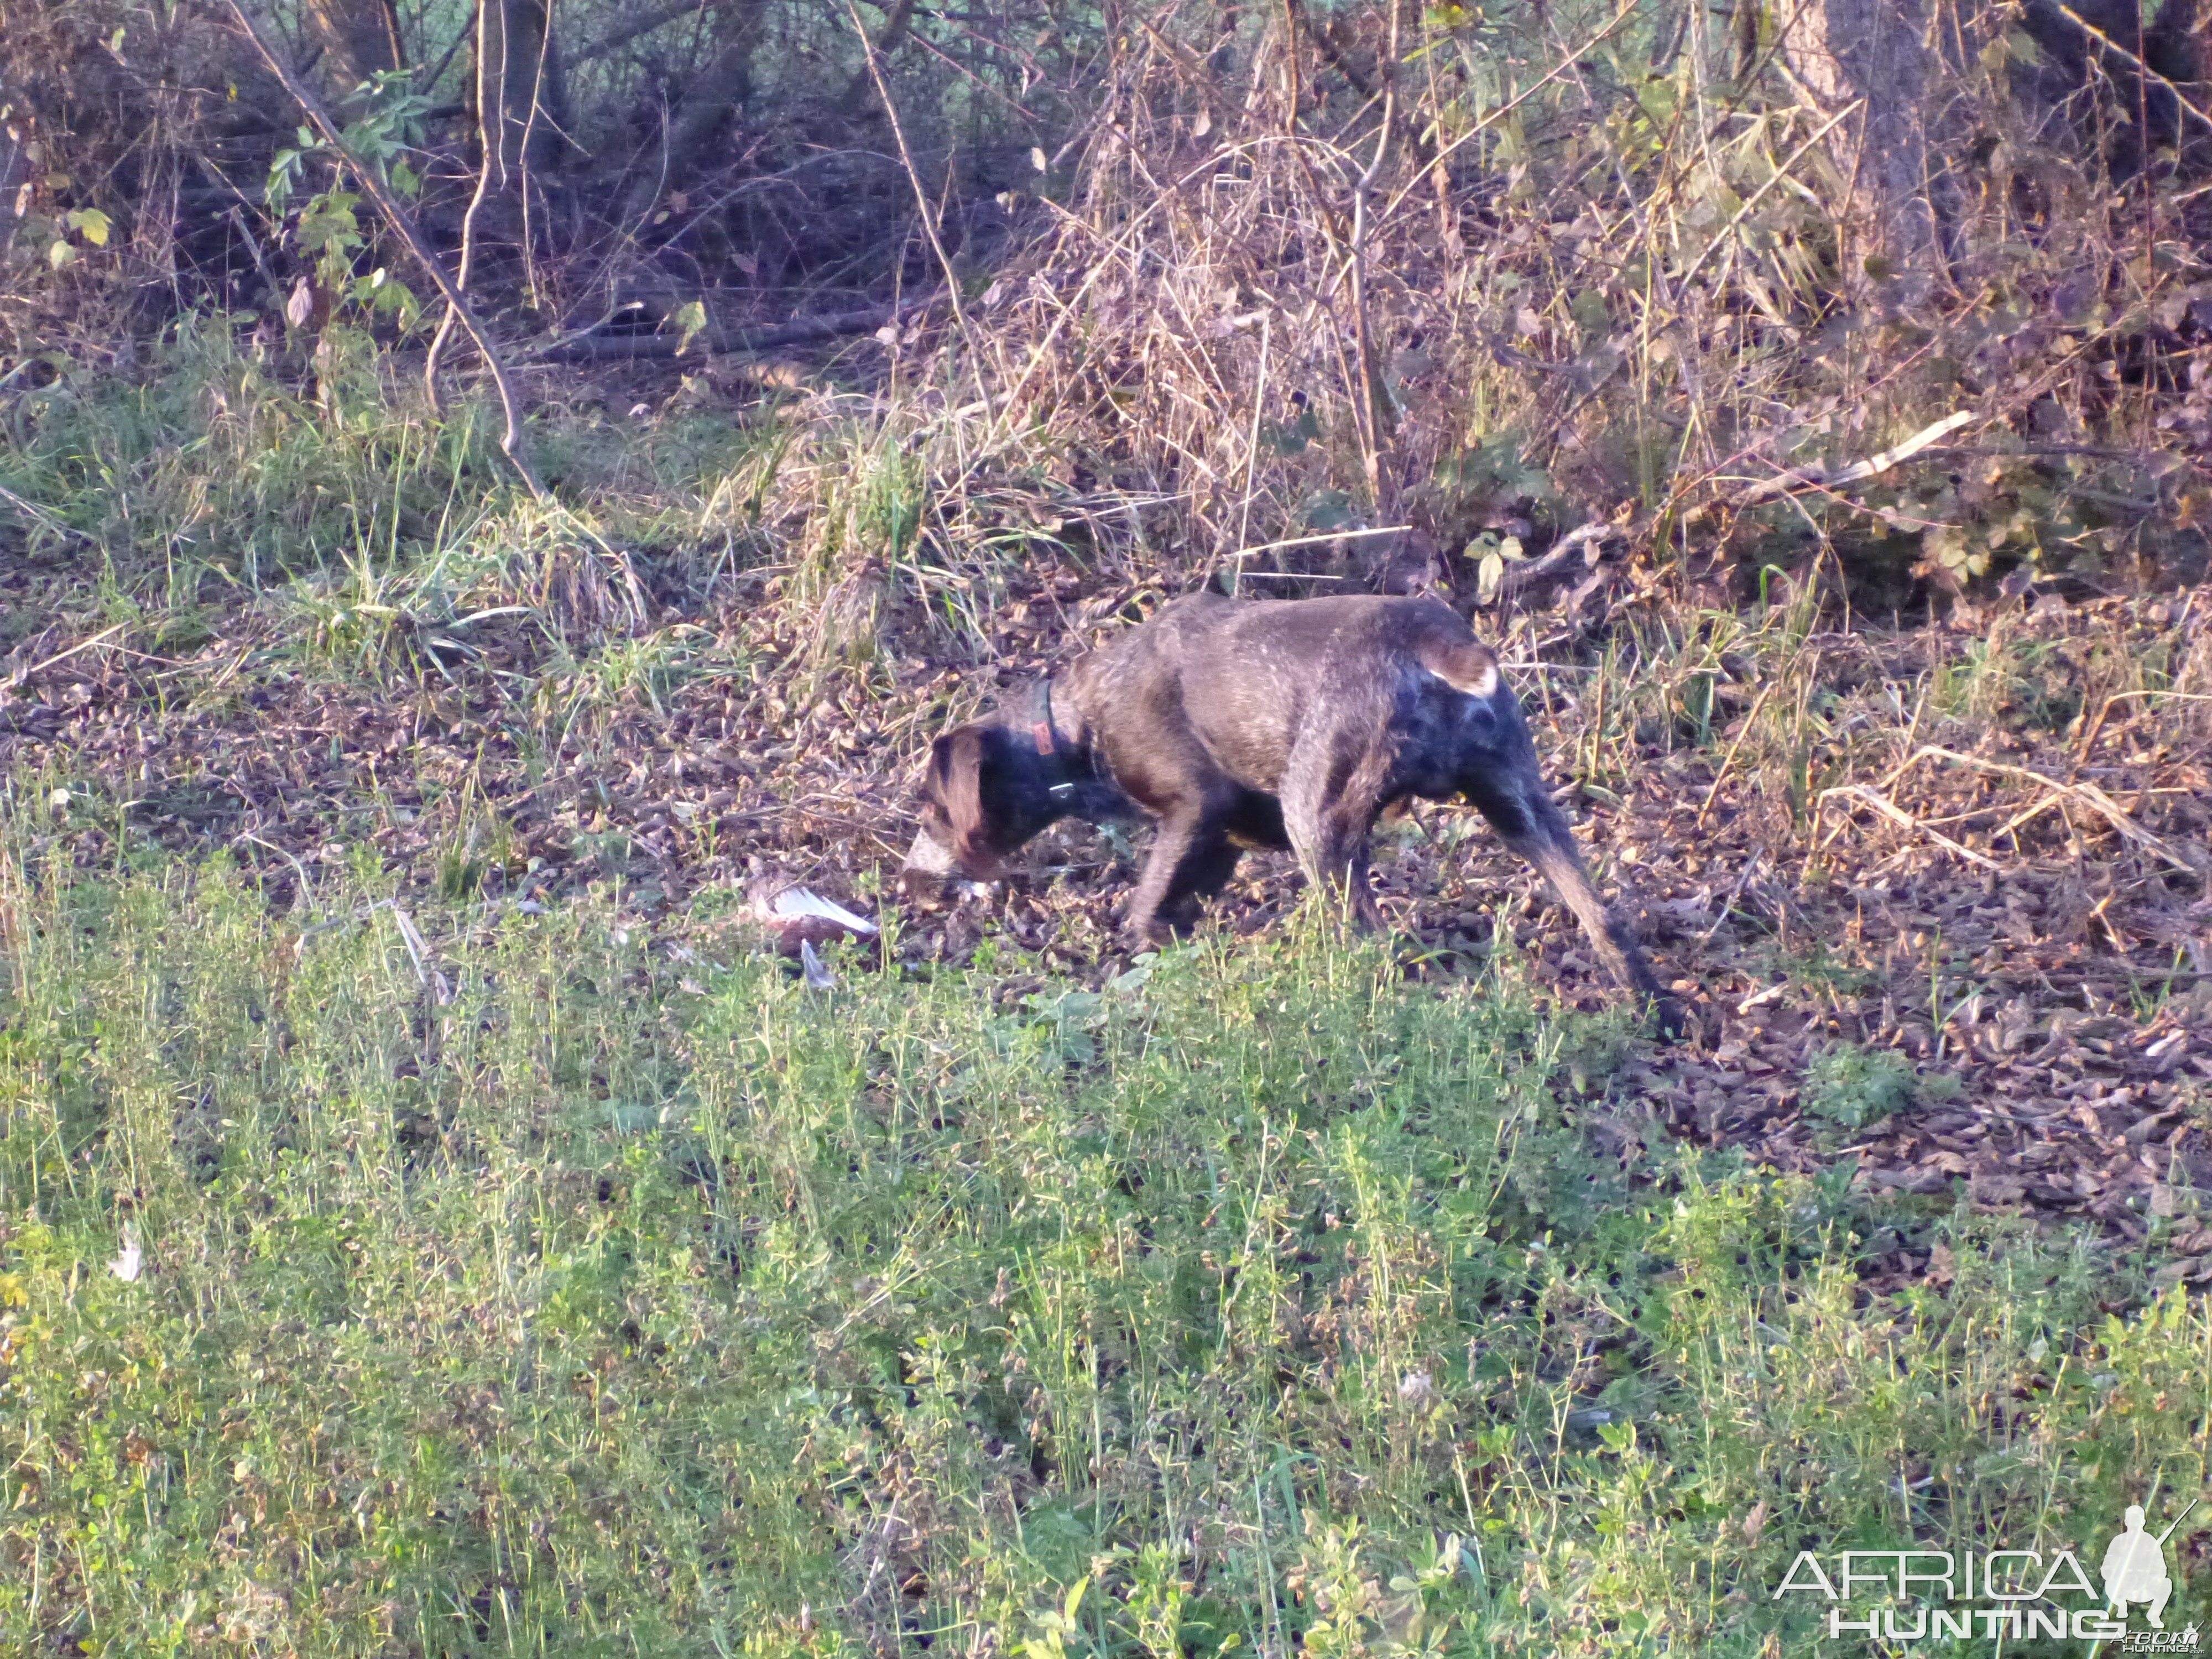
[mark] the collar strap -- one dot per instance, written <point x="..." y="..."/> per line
<point x="1042" y="730"/>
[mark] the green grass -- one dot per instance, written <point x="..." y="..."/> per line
<point x="638" y="1299"/>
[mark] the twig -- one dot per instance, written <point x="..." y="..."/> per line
<point x="2088" y="794"/>
<point x="1577" y="545"/>
<point x="913" y="177"/>
<point x="1252" y="442"/>
<point x="1818" y="478"/>
<point x="2089" y="734"/>
<point x="1310" y="541"/>
<point x="1493" y="117"/>
<point x="1374" y="397"/>
<point x="1752" y="200"/>
<point x="1728" y="904"/>
<point x="482" y="22"/>
<point x="512" y="445"/>
<point x="1891" y="810"/>
<point x="2018" y="818"/>
<point x="299" y="869"/>
<point x="433" y="980"/>
<point x="1728" y="759"/>
<point x="23" y="674"/>
<point x="38" y="514"/>
<point x="2145" y="70"/>
<point x="468" y="27"/>
<point x="629" y="30"/>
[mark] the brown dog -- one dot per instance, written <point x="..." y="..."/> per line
<point x="1275" y="723"/>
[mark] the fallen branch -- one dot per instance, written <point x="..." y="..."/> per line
<point x="1896" y="814"/>
<point x="1578" y="548"/>
<point x="2087" y="794"/>
<point x="638" y="348"/>
<point x="1818" y="478"/>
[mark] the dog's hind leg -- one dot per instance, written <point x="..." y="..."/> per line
<point x="1330" y="809"/>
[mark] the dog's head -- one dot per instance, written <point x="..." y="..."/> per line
<point x="986" y="792"/>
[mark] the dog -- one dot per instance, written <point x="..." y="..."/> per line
<point x="1234" y="724"/>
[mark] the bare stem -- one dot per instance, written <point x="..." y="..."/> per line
<point x="513" y="444"/>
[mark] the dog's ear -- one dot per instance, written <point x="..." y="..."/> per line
<point x="960" y="765"/>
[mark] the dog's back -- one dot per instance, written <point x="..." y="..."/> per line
<point x="1255" y="680"/>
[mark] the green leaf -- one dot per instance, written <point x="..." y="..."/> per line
<point x="1331" y="509"/>
<point x="93" y="224"/>
<point x="690" y="322"/>
<point x="328" y="225"/>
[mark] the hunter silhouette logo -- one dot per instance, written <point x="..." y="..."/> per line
<point x="2133" y="1568"/>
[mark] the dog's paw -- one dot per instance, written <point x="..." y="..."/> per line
<point x="1673" y="1019"/>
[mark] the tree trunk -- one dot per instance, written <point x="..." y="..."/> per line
<point x="358" y="38"/>
<point x="519" y="90"/>
<point x="1881" y="55"/>
<point x="711" y="100"/>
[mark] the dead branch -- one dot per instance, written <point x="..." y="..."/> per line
<point x="2088" y="794"/>
<point x="1897" y="815"/>
<point x="637" y="347"/>
<point x="1818" y="478"/>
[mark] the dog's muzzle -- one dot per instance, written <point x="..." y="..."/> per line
<point x="928" y="857"/>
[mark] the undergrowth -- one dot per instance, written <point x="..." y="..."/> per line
<point x="488" y="1278"/>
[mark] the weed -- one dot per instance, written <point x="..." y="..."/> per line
<point x="1855" y="1087"/>
<point x="1259" y="1296"/>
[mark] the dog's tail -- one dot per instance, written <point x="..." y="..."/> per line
<point x="1542" y="837"/>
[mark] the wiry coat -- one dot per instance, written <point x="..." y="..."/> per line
<point x="1280" y="723"/>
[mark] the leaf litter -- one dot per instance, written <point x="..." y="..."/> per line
<point x="2006" y="917"/>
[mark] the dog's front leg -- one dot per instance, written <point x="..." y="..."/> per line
<point x="1339" y="861"/>
<point x="1192" y="858"/>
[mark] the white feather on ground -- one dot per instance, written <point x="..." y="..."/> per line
<point x="130" y="1261"/>
<point x="801" y="917"/>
